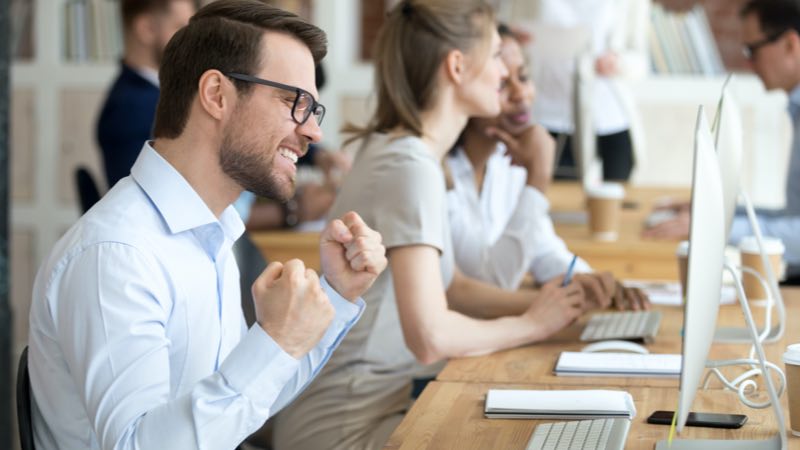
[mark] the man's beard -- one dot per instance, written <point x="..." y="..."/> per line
<point x="252" y="170"/>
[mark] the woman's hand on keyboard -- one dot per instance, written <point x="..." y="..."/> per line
<point x="556" y="307"/>
<point x="598" y="289"/>
<point x="630" y="298"/>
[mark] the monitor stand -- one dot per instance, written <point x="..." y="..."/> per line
<point x="778" y="440"/>
<point x="775" y="333"/>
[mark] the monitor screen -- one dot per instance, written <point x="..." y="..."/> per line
<point x="704" y="273"/>
<point x="727" y="131"/>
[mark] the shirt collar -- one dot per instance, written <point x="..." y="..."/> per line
<point x="148" y="74"/>
<point x="174" y="198"/>
<point x="459" y="164"/>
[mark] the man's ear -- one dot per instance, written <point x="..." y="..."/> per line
<point x="215" y="91"/>
<point x="792" y="42"/>
<point x="454" y="66"/>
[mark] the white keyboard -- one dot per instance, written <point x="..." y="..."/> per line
<point x="599" y="434"/>
<point x="632" y="325"/>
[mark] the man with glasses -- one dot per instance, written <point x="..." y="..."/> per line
<point x="771" y="43"/>
<point x="137" y="336"/>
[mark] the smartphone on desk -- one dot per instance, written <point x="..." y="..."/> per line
<point x="711" y="420"/>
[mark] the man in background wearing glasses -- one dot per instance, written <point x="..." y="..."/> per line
<point x="137" y="336"/>
<point x="771" y="43"/>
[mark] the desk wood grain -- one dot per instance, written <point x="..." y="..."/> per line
<point x="285" y="245"/>
<point x="449" y="415"/>
<point x="631" y="256"/>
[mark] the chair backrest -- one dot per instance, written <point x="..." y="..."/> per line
<point x="88" y="192"/>
<point x="24" y="417"/>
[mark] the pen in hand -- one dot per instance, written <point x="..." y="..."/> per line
<point x="570" y="269"/>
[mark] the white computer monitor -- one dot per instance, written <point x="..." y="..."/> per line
<point x="727" y="129"/>
<point x="703" y="284"/>
<point x="704" y="273"/>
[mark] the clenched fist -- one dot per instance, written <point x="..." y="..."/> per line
<point x="291" y="306"/>
<point x="352" y="255"/>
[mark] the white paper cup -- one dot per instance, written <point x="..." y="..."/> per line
<point x="604" y="204"/>
<point x="791" y="360"/>
<point x="751" y="257"/>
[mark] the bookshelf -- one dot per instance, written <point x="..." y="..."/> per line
<point x="54" y="103"/>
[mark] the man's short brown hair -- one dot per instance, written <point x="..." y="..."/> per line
<point x="225" y="35"/>
<point x="774" y="16"/>
<point x="131" y="9"/>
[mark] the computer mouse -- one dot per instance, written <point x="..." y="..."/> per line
<point x="615" y="346"/>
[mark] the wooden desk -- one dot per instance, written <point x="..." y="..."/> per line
<point x="450" y="416"/>
<point x="534" y="363"/>
<point x="630" y="257"/>
<point x="625" y="257"/>
<point x="285" y="245"/>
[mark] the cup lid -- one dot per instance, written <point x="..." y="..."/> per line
<point x="606" y="190"/>
<point x="792" y="355"/>
<point x="682" y="249"/>
<point x="772" y="246"/>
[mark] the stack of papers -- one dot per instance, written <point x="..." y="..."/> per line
<point x="618" y="364"/>
<point x="572" y="404"/>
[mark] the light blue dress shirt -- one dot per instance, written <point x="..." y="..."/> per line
<point x="137" y="338"/>
<point x="785" y="223"/>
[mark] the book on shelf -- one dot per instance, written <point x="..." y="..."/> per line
<point x="682" y="42"/>
<point x="21" y="15"/>
<point x="93" y="30"/>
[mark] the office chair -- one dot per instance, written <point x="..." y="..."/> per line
<point x="251" y="263"/>
<point x="24" y="417"/>
<point x="88" y="193"/>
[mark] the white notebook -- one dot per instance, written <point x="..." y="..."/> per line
<point x="618" y="364"/>
<point x="669" y="292"/>
<point x="571" y="404"/>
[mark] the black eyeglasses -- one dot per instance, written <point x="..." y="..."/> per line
<point x="304" y="104"/>
<point x="749" y="50"/>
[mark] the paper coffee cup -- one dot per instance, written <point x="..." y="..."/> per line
<point x="605" y="204"/>
<point x="751" y="257"/>
<point x="791" y="359"/>
<point x="682" y="254"/>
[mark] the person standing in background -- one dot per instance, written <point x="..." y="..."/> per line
<point x="126" y="119"/>
<point x="617" y="33"/>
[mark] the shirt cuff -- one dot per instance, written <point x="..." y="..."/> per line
<point x="347" y="314"/>
<point x="258" y="367"/>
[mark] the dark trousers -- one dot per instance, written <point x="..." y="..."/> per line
<point x="615" y="150"/>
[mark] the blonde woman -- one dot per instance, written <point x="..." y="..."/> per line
<point x="438" y="64"/>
